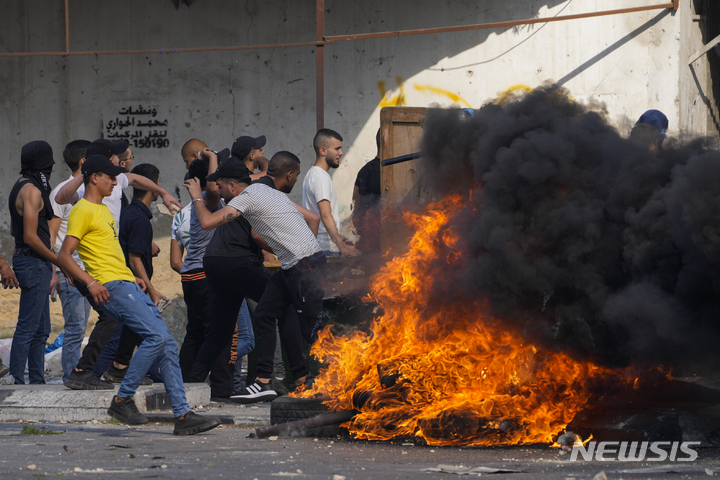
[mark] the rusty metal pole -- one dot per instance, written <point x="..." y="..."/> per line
<point x="67" y="26"/>
<point x="320" y="63"/>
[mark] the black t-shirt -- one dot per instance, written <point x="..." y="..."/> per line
<point x="368" y="183"/>
<point x="234" y="239"/>
<point x="136" y="233"/>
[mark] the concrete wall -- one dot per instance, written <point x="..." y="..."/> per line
<point x="630" y="63"/>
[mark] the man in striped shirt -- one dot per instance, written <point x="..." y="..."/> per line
<point x="290" y="232"/>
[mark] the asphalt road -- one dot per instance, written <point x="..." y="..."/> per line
<point x="118" y="451"/>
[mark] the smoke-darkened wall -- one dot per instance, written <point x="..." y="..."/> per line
<point x="579" y="237"/>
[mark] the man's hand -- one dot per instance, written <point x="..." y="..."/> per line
<point x="171" y="203"/>
<point x="194" y="189"/>
<point x="349" y="251"/>
<point x="99" y="294"/>
<point x="9" y="280"/>
<point x="141" y="284"/>
<point x="156" y="296"/>
<point x="54" y="284"/>
<point x="155" y="249"/>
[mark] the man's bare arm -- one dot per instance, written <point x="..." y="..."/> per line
<point x="331" y="227"/>
<point x="143" y="183"/>
<point x="9" y="280"/>
<point x="32" y="203"/>
<point x="176" y="253"/>
<point x="312" y="219"/>
<point x="260" y="241"/>
<point x="212" y="192"/>
<point x="65" y="261"/>
<point x="209" y="220"/>
<point x="68" y="192"/>
<point x="136" y="265"/>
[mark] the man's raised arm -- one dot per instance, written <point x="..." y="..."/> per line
<point x="208" y="220"/>
<point x="68" y="192"/>
<point x="143" y="183"/>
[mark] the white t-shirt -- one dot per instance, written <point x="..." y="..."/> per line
<point x="114" y="201"/>
<point x="318" y="186"/>
<point x="63" y="212"/>
<point x="181" y="226"/>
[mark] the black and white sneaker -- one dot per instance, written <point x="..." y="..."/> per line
<point x="254" y="393"/>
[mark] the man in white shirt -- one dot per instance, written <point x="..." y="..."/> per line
<point x="319" y="193"/>
<point x="75" y="307"/>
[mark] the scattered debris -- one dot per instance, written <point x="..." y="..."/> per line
<point x="600" y="476"/>
<point x="462" y="470"/>
<point x="32" y="467"/>
<point x="65" y="447"/>
<point x="338" y="477"/>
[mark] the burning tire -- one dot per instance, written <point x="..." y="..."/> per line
<point x="286" y="409"/>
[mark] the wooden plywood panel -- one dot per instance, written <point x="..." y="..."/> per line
<point x="402" y="131"/>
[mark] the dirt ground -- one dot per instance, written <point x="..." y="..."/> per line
<point x="164" y="279"/>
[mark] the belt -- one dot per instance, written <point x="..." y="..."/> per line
<point x="26" y="252"/>
<point x="311" y="259"/>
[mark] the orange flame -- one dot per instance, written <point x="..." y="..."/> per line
<point x="456" y="377"/>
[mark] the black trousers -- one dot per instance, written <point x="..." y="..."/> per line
<point x="101" y="333"/>
<point x="302" y="288"/>
<point x="229" y="282"/>
<point x="222" y="370"/>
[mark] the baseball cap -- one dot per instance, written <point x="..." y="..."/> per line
<point x="655" y="118"/>
<point x="106" y="147"/>
<point x="242" y="146"/>
<point x="100" y="164"/>
<point x="231" y="168"/>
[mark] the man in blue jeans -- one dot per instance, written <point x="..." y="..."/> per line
<point x="30" y="211"/>
<point x="76" y="308"/>
<point x="113" y="287"/>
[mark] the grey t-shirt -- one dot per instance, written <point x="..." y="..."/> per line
<point x="199" y="240"/>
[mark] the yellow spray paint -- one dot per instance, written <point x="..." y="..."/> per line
<point x="445" y="93"/>
<point x="396" y="101"/>
<point x="507" y="94"/>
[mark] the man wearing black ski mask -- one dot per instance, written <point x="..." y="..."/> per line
<point x="30" y="211"/>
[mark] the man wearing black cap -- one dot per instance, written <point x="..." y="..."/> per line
<point x="81" y="377"/>
<point x="246" y="149"/>
<point x="290" y="230"/>
<point x="231" y="253"/>
<point x="93" y="232"/>
<point x="30" y="211"/>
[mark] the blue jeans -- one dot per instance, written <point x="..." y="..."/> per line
<point x="246" y="342"/>
<point x="33" y="326"/>
<point x="129" y="305"/>
<point x="76" y="310"/>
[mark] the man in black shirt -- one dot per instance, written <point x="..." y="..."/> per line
<point x="30" y="211"/>
<point x="366" y="201"/>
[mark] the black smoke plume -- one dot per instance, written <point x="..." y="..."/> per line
<point x="578" y="237"/>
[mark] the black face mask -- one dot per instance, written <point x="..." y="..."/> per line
<point x="37" y="162"/>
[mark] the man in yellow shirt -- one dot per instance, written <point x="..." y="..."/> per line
<point x="112" y="285"/>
